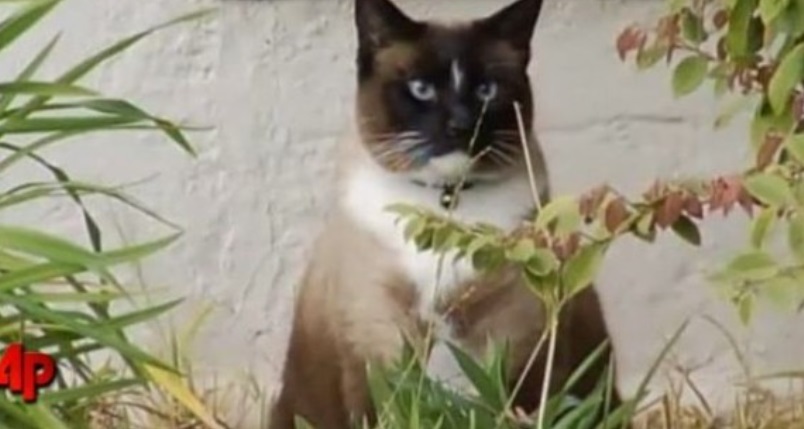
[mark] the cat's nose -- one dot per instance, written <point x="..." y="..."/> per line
<point x="459" y="125"/>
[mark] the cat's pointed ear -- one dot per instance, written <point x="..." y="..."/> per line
<point x="380" y="22"/>
<point x="515" y="23"/>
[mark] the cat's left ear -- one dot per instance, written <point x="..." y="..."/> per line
<point x="515" y="23"/>
<point x="380" y="22"/>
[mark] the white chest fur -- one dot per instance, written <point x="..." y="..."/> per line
<point x="370" y="190"/>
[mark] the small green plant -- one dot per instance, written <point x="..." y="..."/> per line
<point x="752" y="54"/>
<point x="58" y="295"/>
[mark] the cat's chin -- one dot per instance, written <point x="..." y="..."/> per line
<point x="452" y="168"/>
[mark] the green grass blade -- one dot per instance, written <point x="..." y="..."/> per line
<point x="74" y="297"/>
<point x="93" y="230"/>
<point x="40" y="273"/>
<point x="42" y="189"/>
<point x="31" y="148"/>
<point x="139" y="316"/>
<point x="47" y="246"/>
<point x="17" y="24"/>
<point x="44" y="88"/>
<point x="67" y="123"/>
<point x="98" y="333"/>
<point x="28" y="72"/>
<point x="87" y="392"/>
<point x="86" y="66"/>
<point x="137" y="252"/>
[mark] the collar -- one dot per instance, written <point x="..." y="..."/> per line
<point x="448" y="199"/>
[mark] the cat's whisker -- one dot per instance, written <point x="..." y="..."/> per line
<point x="499" y="162"/>
<point x="506" y="157"/>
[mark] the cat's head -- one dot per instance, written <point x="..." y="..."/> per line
<point x="432" y="96"/>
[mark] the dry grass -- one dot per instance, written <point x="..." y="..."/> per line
<point x="683" y="406"/>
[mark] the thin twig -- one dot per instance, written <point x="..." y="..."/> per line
<point x="528" y="162"/>
<point x="548" y="371"/>
<point x="521" y="380"/>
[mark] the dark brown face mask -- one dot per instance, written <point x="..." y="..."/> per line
<point x="427" y="90"/>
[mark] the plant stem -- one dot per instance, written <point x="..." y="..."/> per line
<point x="548" y="370"/>
<point x="528" y="162"/>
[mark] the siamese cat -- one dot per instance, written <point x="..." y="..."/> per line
<point x="435" y="109"/>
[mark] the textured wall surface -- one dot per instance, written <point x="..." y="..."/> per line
<point x="274" y="82"/>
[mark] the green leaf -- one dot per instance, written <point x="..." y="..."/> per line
<point x="689" y="75"/>
<point x="685" y="228"/>
<point x="692" y="27"/>
<point x="753" y="266"/>
<point x="770" y="9"/>
<point x="648" y="57"/>
<point x="477" y="375"/>
<point x="769" y="188"/>
<point x="783" y="292"/>
<point x="556" y="208"/>
<point x="730" y="110"/>
<point x="761" y="226"/>
<point x="542" y="262"/>
<point x="739" y="27"/>
<point x="675" y="6"/>
<point x="789" y="74"/>
<point x="580" y="271"/>
<point x="795" y="236"/>
<point x="795" y="145"/>
<point x="522" y="251"/>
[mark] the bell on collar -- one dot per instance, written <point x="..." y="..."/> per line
<point x="448" y="198"/>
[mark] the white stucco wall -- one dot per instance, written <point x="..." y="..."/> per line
<point x="274" y="80"/>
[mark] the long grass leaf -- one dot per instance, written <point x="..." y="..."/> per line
<point x="177" y="388"/>
<point x="93" y="230"/>
<point x="29" y="71"/>
<point x="87" y="392"/>
<point x="42" y="189"/>
<point x="136" y="252"/>
<point x="98" y="333"/>
<point x="48" y="246"/>
<point x="41" y="273"/>
<point x="44" y="88"/>
<point x="631" y="407"/>
<point x="86" y="66"/>
<point x="139" y="316"/>
<point x="31" y="148"/>
<point x="17" y="24"/>
<point x="67" y="123"/>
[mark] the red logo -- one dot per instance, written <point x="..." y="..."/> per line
<point x="24" y="373"/>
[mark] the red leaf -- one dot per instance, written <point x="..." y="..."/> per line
<point x="630" y="39"/>
<point x="670" y="210"/>
<point x="693" y="206"/>
<point x="591" y="201"/>
<point x="732" y="187"/>
<point x="616" y="214"/>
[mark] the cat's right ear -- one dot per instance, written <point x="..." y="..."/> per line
<point x="380" y="22"/>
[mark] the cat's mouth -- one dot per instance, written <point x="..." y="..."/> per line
<point x="410" y="154"/>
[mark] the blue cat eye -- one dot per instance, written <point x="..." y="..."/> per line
<point x="422" y="90"/>
<point x="487" y="91"/>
